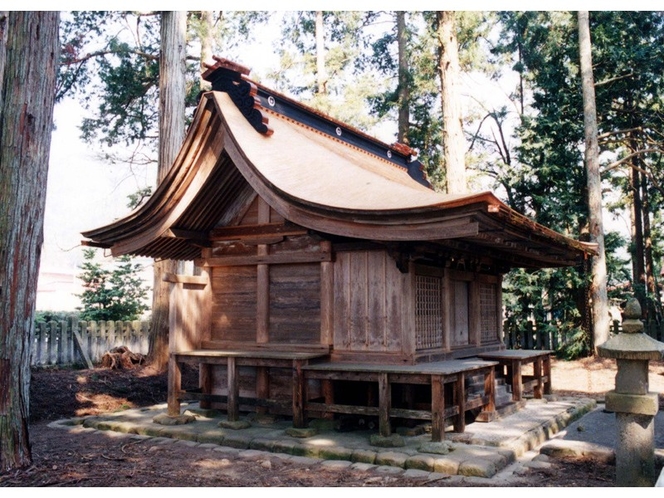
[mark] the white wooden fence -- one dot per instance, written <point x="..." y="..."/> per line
<point x="67" y="342"/>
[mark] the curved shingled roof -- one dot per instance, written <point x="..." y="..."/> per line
<point x="322" y="181"/>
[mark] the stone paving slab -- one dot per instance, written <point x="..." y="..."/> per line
<point x="596" y="433"/>
<point x="482" y="451"/>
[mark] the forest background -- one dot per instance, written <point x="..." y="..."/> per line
<point x="521" y="107"/>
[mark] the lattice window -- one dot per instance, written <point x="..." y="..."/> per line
<point x="428" y="312"/>
<point x="489" y="312"/>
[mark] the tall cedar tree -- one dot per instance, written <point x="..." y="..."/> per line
<point x="172" y="92"/>
<point x="454" y="145"/>
<point x="598" y="295"/>
<point x="29" y="50"/>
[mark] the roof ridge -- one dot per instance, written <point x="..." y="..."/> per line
<point x="253" y="98"/>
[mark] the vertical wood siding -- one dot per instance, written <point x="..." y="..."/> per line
<point x="370" y="301"/>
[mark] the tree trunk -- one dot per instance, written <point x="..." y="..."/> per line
<point x="404" y="80"/>
<point x="598" y="292"/>
<point x="29" y="49"/>
<point x="207" y="26"/>
<point x="653" y="310"/>
<point x="638" y="251"/>
<point x="172" y="68"/>
<point x="454" y="144"/>
<point x="321" y="73"/>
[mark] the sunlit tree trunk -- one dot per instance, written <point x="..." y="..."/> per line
<point x="29" y="50"/>
<point x="207" y="26"/>
<point x="598" y="292"/>
<point x="454" y="144"/>
<point x="172" y="69"/>
<point x="321" y="73"/>
<point x="404" y="80"/>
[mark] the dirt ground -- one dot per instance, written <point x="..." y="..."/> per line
<point x="76" y="460"/>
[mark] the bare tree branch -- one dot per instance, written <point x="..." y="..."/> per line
<point x="649" y="174"/>
<point x="618" y="132"/>
<point x="617" y="78"/>
<point x="629" y="156"/>
<point x="101" y="53"/>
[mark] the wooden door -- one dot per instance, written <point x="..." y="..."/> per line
<point x="460" y="320"/>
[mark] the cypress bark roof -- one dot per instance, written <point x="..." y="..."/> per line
<point x="320" y="174"/>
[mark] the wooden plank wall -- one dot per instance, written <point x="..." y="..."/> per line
<point x="271" y="280"/>
<point x="371" y="298"/>
<point x="234" y="303"/>
<point x="294" y="297"/>
<point x="189" y="305"/>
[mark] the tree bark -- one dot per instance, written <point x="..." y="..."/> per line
<point x="29" y="51"/>
<point x="404" y="80"/>
<point x="653" y="310"/>
<point x="172" y="91"/>
<point x="638" y="251"/>
<point x="454" y="144"/>
<point x="598" y="292"/>
<point x="321" y="72"/>
<point x="207" y="41"/>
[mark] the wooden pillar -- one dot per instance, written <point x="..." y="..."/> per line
<point x="546" y="365"/>
<point x="262" y="387"/>
<point x="490" y="391"/>
<point x="175" y="344"/>
<point x="262" y="281"/>
<point x="437" y="408"/>
<point x="517" y="385"/>
<point x="537" y="372"/>
<point x="262" y="299"/>
<point x="298" y="395"/>
<point x="233" y="391"/>
<point x="460" y="401"/>
<point x="447" y="296"/>
<point x="205" y="383"/>
<point x="474" y="314"/>
<point x="327" y="387"/>
<point x="384" y="405"/>
<point x="174" y="386"/>
<point x="262" y="324"/>
<point x="499" y="309"/>
<point x="262" y="308"/>
<point x="326" y="298"/>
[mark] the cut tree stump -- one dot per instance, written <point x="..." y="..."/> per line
<point x="121" y="358"/>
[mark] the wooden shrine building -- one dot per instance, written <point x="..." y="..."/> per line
<point x="333" y="278"/>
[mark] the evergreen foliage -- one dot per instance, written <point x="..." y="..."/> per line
<point x="549" y="182"/>
<point x="110" y="61"/>
<point x="116" y="294"/>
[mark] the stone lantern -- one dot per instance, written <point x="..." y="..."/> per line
<point x="635" y="407"/>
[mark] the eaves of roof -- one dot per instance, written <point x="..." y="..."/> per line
<point x="321" y="182"/>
